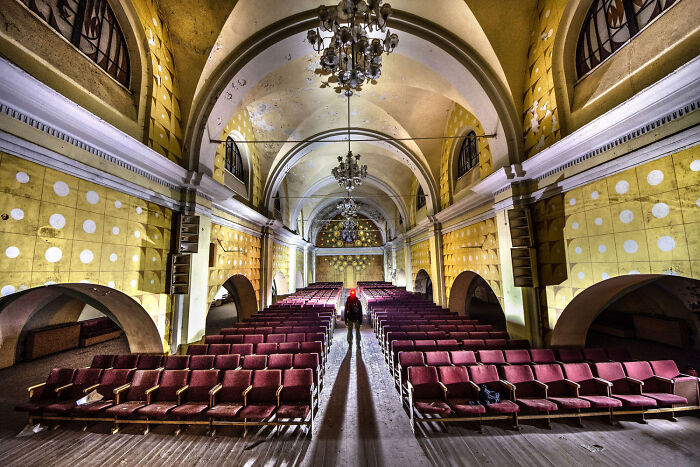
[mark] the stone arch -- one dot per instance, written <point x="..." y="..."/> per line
<point x="281" y="285"/>
<point x="401" y="278"/>
<point x="18" y="309"/>
<point x="243" y="294"/>
<point x="424" y="284"/>
<point x="664" y="296"/>
<point x="471" y="295"/>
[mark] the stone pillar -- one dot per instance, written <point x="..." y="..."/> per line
<point x="393" y="265"/>
<point x="437" y="268"/>
<point x="292" y="269"/>
<point x="306" y="265"/>
<point x="408" y="266"/>
<point x="266" y="257"/>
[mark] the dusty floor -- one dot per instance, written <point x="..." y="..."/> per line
<point x="361" y="422"/>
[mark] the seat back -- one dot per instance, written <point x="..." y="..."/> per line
<point x="517" y="373"/>
<point x="518" y="344"/>
<point x="233" y="383"/>
<point x="254" y="362"/>
<point x="57" y="377"/>
<point x="425" y="382"/>
<point x="233" y="339"/>
<point x="102" y="361"/>
<point x="425" y="345"/>
<point x="241" y="349"/>
<point x="227" y="362"/>
<point x="447" y="344"/>
<point x="542" y="356"/>
<point x="276" y="338"/>
<point x="197" y="349"/>
<point x="149" y="362"/>
<point x="312" y="347"/>
<point x="548" y="372"/>
<point x="297" y="385"/>
<point x="610" y="371"/>
<point x="218" y="349"/>
<point x="638" y="370"/>
<point x="491" y="357"/>
<point x="201" y="362"/>
<point x="482" y="374"/>
<point x="570" y="355"/>
<point x="83" y="378"/>
<point x="463" y="357"/>
<point x="456" y="380"/>
<point x="266" y="348"/>
<point x="141" y="382"/>
<point x="176" y="362"/>
<point x="306" y="360"/>
<point x="201" y="382"/>
<point x="437" y="358"/>
<point x="473" y="344"/>
<point x="496" y="343"/>
<point x="665" y="368"/>
<point x="407" y="359"/>
<point x="170" y="382"/>
<point x="214" y="339"/>
<point x="618" y="354"/>
<point x="577" y="372"/>
<point x="515" y="357"/>
<point x="265" y="385"/>
<point x="253" y="339"/>
<point x="112" y="379"/>
<point x="288" y="347"/>
<point x="126" y="361"/>
<point x="280" y="361"/>
<point x="595" y="355"/>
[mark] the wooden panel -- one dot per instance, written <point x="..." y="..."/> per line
<point x="48" y="340"/>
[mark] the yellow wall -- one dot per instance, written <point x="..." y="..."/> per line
<point x="63" y="229"/>
<point x="645" y="220"/>
<point x="473" y="248"/>
<point x="459" y="122"/>
<point x="165" y="122"/>
<point x="300" y="265"/>
<point x="540" y="116"/>
<point x="367" y="234"/>
<point x="245" y="260"/>
<point x="349" y="269"/>
<point x="420" y="259"/>
<point x="400" y="259"/>
<point x="280" y="263"/>
<point x="240" y="123"/>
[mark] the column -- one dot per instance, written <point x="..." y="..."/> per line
<point x="292" y="269"/>
<point x="266" y="257"/>
<point x="437" y="269"/>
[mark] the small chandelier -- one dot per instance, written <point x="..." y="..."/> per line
<point x="348" y="207"/>
<point x="349" y="232"/>
<point x="349" y="173"/>
<point x="350" y="55"/>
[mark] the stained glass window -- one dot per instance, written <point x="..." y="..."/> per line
<point x="234" y="161"/>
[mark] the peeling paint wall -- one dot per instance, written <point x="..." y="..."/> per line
<point x="280" y="263"/>
<point x="238" y="253"/>
<point x="420" y="259"/>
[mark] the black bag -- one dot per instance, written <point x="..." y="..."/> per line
<point x="488" y="396"/>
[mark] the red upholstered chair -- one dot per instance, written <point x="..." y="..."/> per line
<point x="628" y="390"/>
<point x="594" y="390"/>
<point x="473" y="344"/>
<point x="241" y="349"/>
<point x="447" y="344"/>
<point x="460" y="391"/>
<point x="435" y="335"/>
<point x="479" y="335"/>
<point x="176" y="362"/>
<point x="296" y="337"/>
<point x="263" y="398"/>
<point x="227" y="362"/>
<point x="658" y="388"/>
<point x="518" y="344"/>
<point x="407" y="360"/>
<point x="233" y="339"/>
<point x="399" y="346"/>
<point x="542" y="356"/>
<point x="84" y="380"/>
<point x="102" y="361"/>
<point x="131" y="397"/>
<point x="530" y="394"/>
<point x="483" y="328"/>
<point x="496" y="343"/>
<point x="227" y="398"/>
<point x="683" y="385"/>
<point x="266" y="348"/>
<point x="124" y="362"/>
<point x="498" y="335"/>
<point x="491" y="357"/>
<point x="280" y="361"/>
<point x="463" y="357"/>
<point x="425" y="393"/>
<point x="459" y="336"/>
<point x="310" y="361"/>
<point x="109" y="381"/>
<point x="218" y="349"/>
<point x="214" y="339"/>
<point x="424" y="345"/>
<point x="201" y="362"/>
<point x="416" y="335"/>
<point x="166" y="395"/>
<point x="149" y="362"/>
<point x="312" y="347"/>
<point x="437" y="358"/>
<point x="195" y="400"/>
<point x="618" y="354"/>
<point x="296" y="400"/>
<point x="595" y="355"/>
<point x="253" y="339"/>
<point x="289" y="347"/>
<point x="254" y="362"/>
<point x="45" y="393"/>
<point x="276" y="338"/>
<point x="197" y="349"/>
<point x="264" y="330"/>
<point x="227" y="331"/>
<point x="283" y="330"/>
<point x="570" y="355"/>
<point x="517" y="357"/>
<point x="561" y="391"/>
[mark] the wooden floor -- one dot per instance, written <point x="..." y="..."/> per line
<point x="361" y="422"/>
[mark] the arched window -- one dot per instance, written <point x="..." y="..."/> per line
<point x="234" y="162"/>
<point x="90" y="26"/>
<point x="420" y="198"/>
<point x="609" y="25"/>
<point x="468" y="154"/>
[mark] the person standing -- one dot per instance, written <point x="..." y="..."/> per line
<point x="353" y="316"/>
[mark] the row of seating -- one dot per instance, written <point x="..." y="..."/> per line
<point x="427" y="345"/>
<point x="183" y="397"/>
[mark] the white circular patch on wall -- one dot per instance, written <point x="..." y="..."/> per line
<point x="86" y="256"/>
<point x="22" y="177"/>
<point x="17" y="214"/>
<point x="137" y="234"/>
<point x="135" y="258"/>
<point x="660" y="210"/>
<point x="89" y="226"/>
<point x="598" y="221"/>
<point x="595" y="194"/>
<point x="605" y="275"/>
<point x="84" y="281"/>
<point x="572" y="201"/>
<point x="655" y="177"/>
<point x="133" y="283"/>
<point x="117" y="204"/>
<point x="53" y="254"/>
<point x="115" y="230"/>
<point x="666" y="243"/>
<point x="50" y="283"/>
<point x="581" y="275"/>
<point x="152" y="282"/>
<point x="602" y="248"/>
<point x="153" y="259"/>
<point x="695" y="165"/>
<point x="139" y="210"/>
<point x="622" y="187"/>
<point x="7" y="290"/>
<point x="630" y="246"/>
<point x="113" y="257"/>
<point x="12" y="252"/>
<point x="633" y="271"/>
<point x="574" y="226"/>
<point x="61" y="188"/>
<point x="578" y="250"/>
<point x="697" y="202"/>
<point x="92" y="197"/>
<point x="57" y="221"/>
<point x="626" y="216"/>
<point x="110" y="284"/>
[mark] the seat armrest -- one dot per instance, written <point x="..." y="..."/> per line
<point x="510" y="386"/>
<point x="542" y="386"/>
<point x="118" y="391"/>
<point x="474" y="386"/>
<point x="277" y="394"/>
<point x="663" y="380"/>
<point x="181" y="391"/>
<point x="59" y="390"/>
<point x="444" y="389"/>
<point x="37" y="388"/>
<point x="91" y="388"/>
<point x="150" y="391"/>
<point x="245" y="394"/>
<point x="635" y="381"/>
<point x="573" y="385"/>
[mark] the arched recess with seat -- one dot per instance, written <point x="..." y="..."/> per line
<point x="37" y="307"/>
<point x="471" y="295"/>
<point x="646" y="313"/>
<point x="401" y="278"/>
<point x="242" y="292"/>
<point x="424" y="285"/>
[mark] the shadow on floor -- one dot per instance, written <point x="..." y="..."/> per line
<point x="370" y="439"/>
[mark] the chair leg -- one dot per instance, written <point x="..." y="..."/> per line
<point x="642" y="419"/>
<point x="610" y="417"/>
<point x="672" y="417"/>
<point x="115" y="428"/>
<point x="147" y="429"/>
<point x="580" y="420"/>
<point x="548" y="420"/>
<point x="515" y="421"/>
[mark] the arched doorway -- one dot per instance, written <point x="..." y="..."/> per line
<point x="64" y="303"/>
<point x="653" y="316"/>
<point x="471" y="295"/>
<point x="401" y="278"/>
<point x="424" y="285"/>
<point x="279" y="285"/>
<point x="223" y="311"/>
<point x="241" y="294"/>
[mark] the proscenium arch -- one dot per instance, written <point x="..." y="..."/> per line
<point x="200" y="149"/>
<point x="299" y="150"/>
<point x="573" y="324"/>
<point x="17" y="309"/>
<point x="324" y="205"/>
<point x="243" y="294"/>
<point x="462" y="291"/>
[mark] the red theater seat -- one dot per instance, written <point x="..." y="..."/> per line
<point x="447" y="344"/>
<point x="594" y="390"/>
<point x="218" y="349"/>
<point x="201" y="362"/>
<point x="266" y="348"/>
<point x="254" y="362"/>
<point x="109" y="382"/>
<point x="542" y="356"/>
<point x="197" y="349"/>
<point x="463" y="357"/>
<point x="437" y="358"/>
<point x="263" y="398"/>
<point x="135" y="396"/>
<point x="628" y="390"/>
<point x="296" y="399"/>
<point x="280" y="361"/>
<point x="45" y="394"/>
<point x="195" y="400"/>
<point x="491" y="357"/>
<point x="595" y="355"/>
<point x="149" y="362"/>
<point x="176" y="362"/>
<point x="84" y="380"/>
<point x="123" y="362"/>
<point x="227" y="362"/>
<point x="530" y="394"/>
<point x="425" y="391"/>
<point x="658" y="388"/>
<point x="233" y="339"/>
<point x="228" y="397"/>
<point x="461" y="394"/>
<point x="562" y="392"/>
<point x="166" y="395"/>
<point x="517" y="357"/>
<point x="241" y="349"/>
<point x="102" y="361"/>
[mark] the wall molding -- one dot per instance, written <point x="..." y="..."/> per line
<point x="362" y="251"/>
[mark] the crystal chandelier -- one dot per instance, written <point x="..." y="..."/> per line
<point x="348" y="207"/>
<point x="350" y="55"/>
<point x="349" y="173"/>
<point x="349" y="232"/>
